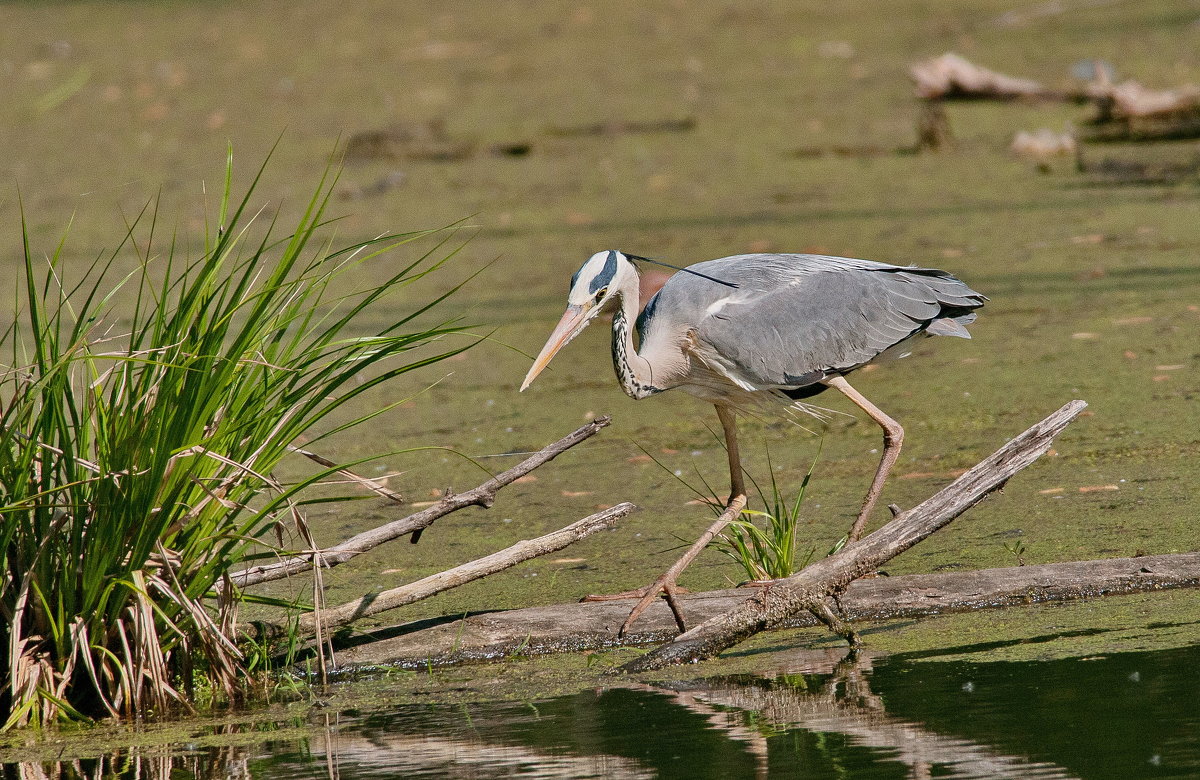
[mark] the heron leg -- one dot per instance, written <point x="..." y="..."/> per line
<point x="893" y="439"/>
<point x="737" y="485"/>
<point x="666" y="584"/>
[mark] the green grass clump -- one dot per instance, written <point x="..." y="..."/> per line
<point x="771" y="552"/>
<point x="141" y="418"/>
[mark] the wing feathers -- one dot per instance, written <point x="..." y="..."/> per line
<point x="802" y="317"/>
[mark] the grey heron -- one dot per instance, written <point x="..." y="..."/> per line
<point x="761" y="330"/>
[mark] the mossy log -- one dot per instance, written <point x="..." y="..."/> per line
<point x="592" y="626"/>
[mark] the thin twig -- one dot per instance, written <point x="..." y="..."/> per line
<point x="369" y="484"/>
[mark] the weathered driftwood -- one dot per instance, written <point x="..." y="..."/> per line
<point x="809" y="589"/>
<point x="594" y="625"/>
<point x="1130" y="111"/>
<point x="1043" y="145"/>
<point x="375" y="603"/>
<point x="483" y="495"/>
<point x="1125" y="111"/>
<point x="1129" y="99"/>
<point x="951" y="77"/>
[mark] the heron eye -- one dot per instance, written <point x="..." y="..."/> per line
<point x="601" y="293"/>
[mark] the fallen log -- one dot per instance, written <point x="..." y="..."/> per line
<point x="594" y="625"/>
<point x="952" y="77"/>
<point x="1132" y="112"/>
<point x="1131" y="100"/>
<point x="811" y="588"/>
<point x="483" y="496"/>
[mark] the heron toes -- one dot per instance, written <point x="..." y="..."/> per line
<point x="669" y="590"/>
<point x="623" y="595"/>
<point x="646" y="595"/>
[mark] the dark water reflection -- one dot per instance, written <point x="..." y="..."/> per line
<point x="814" y="715"/>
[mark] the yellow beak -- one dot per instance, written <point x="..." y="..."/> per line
<point x="574" y="320"/>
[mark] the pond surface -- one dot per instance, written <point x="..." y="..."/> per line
<point x="1126" y="715"/>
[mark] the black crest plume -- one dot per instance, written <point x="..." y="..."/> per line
<point x="638" y="259"/>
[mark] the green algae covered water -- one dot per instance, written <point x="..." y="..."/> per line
<point x="1094" y="287"/>
<point x="1119" y="716"/>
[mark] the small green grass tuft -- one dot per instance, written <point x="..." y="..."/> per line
<point x="770" y="552"/>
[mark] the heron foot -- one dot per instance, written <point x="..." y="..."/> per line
<point x="636" y="593"/>
<point x="646" y="595"/>
<point x="667" y="583"/>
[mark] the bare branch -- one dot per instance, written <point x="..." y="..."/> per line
<point x="952" y="76"/>
<point x="460" y="575"/>
<point x="483" y="496"/>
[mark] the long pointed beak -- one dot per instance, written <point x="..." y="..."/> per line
<point x="574" y="320"/>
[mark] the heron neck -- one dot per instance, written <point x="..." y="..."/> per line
<point x="633" y="371"/>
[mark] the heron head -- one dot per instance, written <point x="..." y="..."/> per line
<point x="597" y="282"/>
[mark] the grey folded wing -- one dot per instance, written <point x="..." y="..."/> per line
<point x="822" y="322"/>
